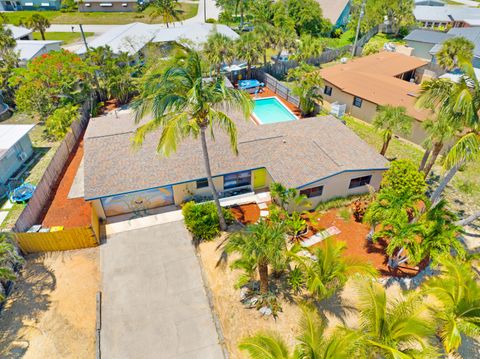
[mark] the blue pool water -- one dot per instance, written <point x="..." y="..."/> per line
<point x="270" y="110"/>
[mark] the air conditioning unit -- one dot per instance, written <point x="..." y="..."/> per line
<point x="22" y="156"/>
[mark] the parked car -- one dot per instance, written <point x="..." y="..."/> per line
<point x="284" y="57"/>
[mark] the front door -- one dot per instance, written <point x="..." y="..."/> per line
<point x="259" y="178"/>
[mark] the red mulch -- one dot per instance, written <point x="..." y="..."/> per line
<point x="66" y="212"/>
<point x="352" y="233"/>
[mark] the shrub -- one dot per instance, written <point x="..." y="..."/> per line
<point x="371" y="48"/>
<point x="337" y="33"/>
<point x="211" y="21"/>
<point x="404" y="178"/>
<point x="58" y="123"/>
<point x="202" y="221"/>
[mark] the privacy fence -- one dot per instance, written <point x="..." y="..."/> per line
<point x="280" y="69"/>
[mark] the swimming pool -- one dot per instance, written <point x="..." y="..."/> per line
<point x="271" y="110"/>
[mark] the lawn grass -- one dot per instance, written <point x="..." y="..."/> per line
<point x="384" y="38"/>
<point x="99" y="18"/>
<point x="43" y="149"/>
<point x="347" y="38"/>
<point x="66" y="37"/>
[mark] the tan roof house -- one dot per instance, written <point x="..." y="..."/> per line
<point x="337" y="11"/>
<point x="320" y="156"/>
<point x="386" y="78"/>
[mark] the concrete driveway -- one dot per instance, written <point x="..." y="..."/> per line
<point x="154" y="303"/>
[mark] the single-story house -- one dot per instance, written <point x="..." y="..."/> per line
<point x="107" y="5"/>
<point x="132" y="38"/>
<point x="337" y="11"/>
<point x="429" y="3"/>
<point x="320" y="156"/>
<point x="443" y="16"/>
<point x="15" y="149"/>
<point x="40" y="4"/>
<point x="9" y="5"/>
<point x="470" y="33"/>
<point x="30" y="49"/>
<point x="386" y="78"/>
<point x="20" y="32"/>
<point x="422" y="41"/>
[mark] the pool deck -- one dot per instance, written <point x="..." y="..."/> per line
<point x="269" y="93"/>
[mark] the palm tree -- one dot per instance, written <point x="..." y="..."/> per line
<point x="37" y="22"/>
<point x="330" y="269"/>
<point x="392" y="119"/>
<point x="308" y="87"/>
<point x="262" y="244"/>
<point x="183" y="104"/>
<point x="393" y="328"/>
<point x="167" y="9"/>
<point x="455" y="52"/>
<point x="218" y="50"/>
<point x="458" y="292"/>
<point x="249" y="48"/>
<point x="309" y="47"/>
<point x="313" y="343"/>
<point x="265" y="32"/>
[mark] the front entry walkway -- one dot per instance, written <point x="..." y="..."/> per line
<point x="154" y="304"/>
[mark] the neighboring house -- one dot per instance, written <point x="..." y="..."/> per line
<point x="132" y="38"/>
<point x="15" y="149"/>
<point x="30" y="49"/>
<point x="337" y="11"/>
<point x="107" y="5"/>
<point x="40" y="4"/>
<point x="447" y="16"/>
<point x="429" y="3"/>
<point x="9" y="5"/>
<point x="470" y="33"/>
<point x="367" y="82"/>
<point x="20" y="32"/>
<point x="422" y="41"/>
<point x="320" y="156"/>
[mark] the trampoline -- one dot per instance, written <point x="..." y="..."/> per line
<point x="22" y="193"/>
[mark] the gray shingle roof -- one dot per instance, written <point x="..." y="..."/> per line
<point x="445" y="13"/>
<point x="295" y="153"/>
<point x="427" y="36"/>
<point x="470" y="33"/>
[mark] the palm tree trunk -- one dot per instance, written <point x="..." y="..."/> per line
<point x="223" y="224"/>
<point x="42" y="33"/>
<point x="249" y="70"/>
<point x="437" y="147"/>
<point x="435" y="198"/>
<point x="385" y="145"/>
<point x="263" y="274"/>
<point x="466" y="221"/>
<point x="265" y="57"/>
<point x="424" y="159"/>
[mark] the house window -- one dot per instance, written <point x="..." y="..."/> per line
<point x="237" y="179"/>
<point x="124" y="4"/>
<point x="106" y="4"/>
<point x="203" y="183"/>
<point x="357" y="102"/>
<point x="359" y="181"/>
<point x="312" y="192"/>
<point x="327" y="91"/>
<point x="87" y="5"/>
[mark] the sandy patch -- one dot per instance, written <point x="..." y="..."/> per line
<point x="52" y="310"/>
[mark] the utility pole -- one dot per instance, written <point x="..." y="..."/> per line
<point x="362" y="13"/>
<point x="204" y="10"/>
<point x="84" y="39"/>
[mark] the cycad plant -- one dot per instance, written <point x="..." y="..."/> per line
<point x="394" y="328"/>
<point x="458" y="292"/>
<point x="312" y="342"/>
<point x="329" y="269"/>
<point x="184" y="105"/>
<point x="260" y="246"/>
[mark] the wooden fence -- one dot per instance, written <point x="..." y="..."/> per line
<point x="67" y="239"/>
<point x="33" y="211"/>
<point x="277" y="87"/>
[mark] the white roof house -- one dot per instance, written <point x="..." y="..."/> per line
<point x="20" y="32"/>
<point x="29" y="49"/>
<point x="446" y="14"/>
<point x="10" y="135"/>
<point x="132" y="38"/>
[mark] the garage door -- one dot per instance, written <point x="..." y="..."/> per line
<point x="138" y="202"/>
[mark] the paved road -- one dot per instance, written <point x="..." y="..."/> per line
<point x="212" y="11"/>
<point x="154" y="302"/>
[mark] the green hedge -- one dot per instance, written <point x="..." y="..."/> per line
<point x="202" y="221"/>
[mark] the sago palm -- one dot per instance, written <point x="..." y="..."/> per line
<point x="313" y="343"/>
<point x="184" y="105"/>
<point x="390" y="120"/>
<point x="458" y="291"/>
<point x="393" y="328"/>
<point x="260" y="245"/>
<point x="329" y="270"/>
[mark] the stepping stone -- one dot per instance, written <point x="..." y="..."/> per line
<point x="262" y="205"/>
<point x="3" y="215"/>
<point x="7" y="205"/>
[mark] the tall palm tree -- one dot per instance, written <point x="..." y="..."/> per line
<point x="330" y="269"/>
<point x="458" y="291"/>
<point x="167" y="9"/>
<point x="308" y="87"/>
<point x="393" y="328"/>
<point x="455" y="52"/>
<point x="308" y="47"/>
<point x="392" y="119"/>
<point x="266" y="32"/>
<point x="313" y="343"/>
<point x="262" y="244"/>
<point x="39" y="23"/>
<point x="184" y="105"/>
<point x="249" y="48"/>
<point x="218" y="50"/>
